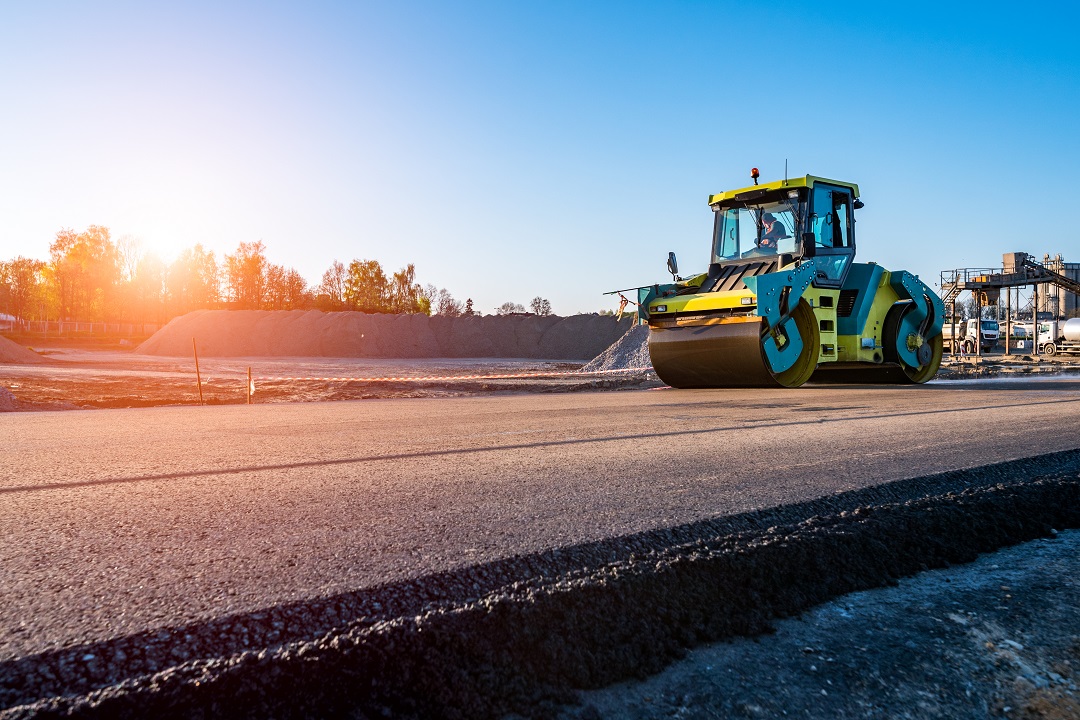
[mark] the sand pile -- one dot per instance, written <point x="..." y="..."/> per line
<point x="311" y="333"/>
<point x="629" y="351"/>
<point x="14" y="354"/>
<point x="8" y="401"/>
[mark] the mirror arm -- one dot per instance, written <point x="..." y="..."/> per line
<point x="673" y="266"/>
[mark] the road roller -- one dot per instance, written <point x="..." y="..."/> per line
<point x="784" y="302"/>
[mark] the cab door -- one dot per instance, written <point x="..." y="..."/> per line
<point x="832" y="222"/>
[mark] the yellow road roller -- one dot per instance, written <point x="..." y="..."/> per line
<point x="784" y="302"/>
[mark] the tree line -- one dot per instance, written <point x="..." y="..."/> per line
<point x="90" y="277"/>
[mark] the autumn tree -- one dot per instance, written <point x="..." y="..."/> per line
<point x="194" y="280"/>
<point x="406" y="295"/>
<point x="285" y="289"/>
<point x="86" y="269"/>
<point x="274" y="297"/>
<point x="245" y="275"/>
<point x="297" y="294"/>
<point x="22" y="284"/>
<point x="366" y="287"/>
<point x="148" y="290"/>
<point x="469" y="312"/>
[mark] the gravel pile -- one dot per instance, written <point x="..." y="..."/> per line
<point x="521" y="635"/>
<point x="629" y="351"/>
<point x="8" y="401"/>
<point x="14" y="354"/>
<point x="299" y="333"/>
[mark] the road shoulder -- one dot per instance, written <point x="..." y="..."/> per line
<point x="999" y="637"/>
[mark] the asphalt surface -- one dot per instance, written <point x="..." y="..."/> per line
<point x="119" y="522"/>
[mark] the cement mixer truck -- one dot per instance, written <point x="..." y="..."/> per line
<point x="1057" y="337"/>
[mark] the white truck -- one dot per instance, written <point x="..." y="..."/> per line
<point x="967" y="334"/>
<point x="1056" y="336"/>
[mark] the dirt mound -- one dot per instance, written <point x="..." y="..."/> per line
<point x="629" y="351"/>
<point x="14" y="354"/>
<point x="300" y="333"/>
<point x="8" y="401"/>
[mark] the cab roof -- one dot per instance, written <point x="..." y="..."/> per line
<point x="807" y="181"/>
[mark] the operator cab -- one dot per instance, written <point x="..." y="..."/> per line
<point x="786" y="221"/>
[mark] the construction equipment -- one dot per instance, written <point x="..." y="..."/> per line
<point x="783" y="301"/>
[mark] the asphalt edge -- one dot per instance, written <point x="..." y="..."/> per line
<point x="525" y="647"/>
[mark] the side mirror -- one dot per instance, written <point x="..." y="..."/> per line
<point x="673" y="265"/>
<point x="809" y="245"/>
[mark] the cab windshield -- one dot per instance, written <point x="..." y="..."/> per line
<point x="990" y="325"/>
<point x="771" y="222"/>
<point x="751" y="230"/>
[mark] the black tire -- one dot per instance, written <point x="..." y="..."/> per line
<point x="1049" y="349"/>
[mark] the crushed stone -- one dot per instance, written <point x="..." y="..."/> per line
<point x="14" y="354"/>
<point x="629" y="351"/>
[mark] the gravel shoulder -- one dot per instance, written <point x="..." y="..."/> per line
<point x="91" y="379"/>
<point x="65" y="378"/>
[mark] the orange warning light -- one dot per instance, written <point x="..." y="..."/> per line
<point x="754" y="174"/>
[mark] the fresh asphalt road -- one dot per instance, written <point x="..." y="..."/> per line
<point x="115" y="522"/>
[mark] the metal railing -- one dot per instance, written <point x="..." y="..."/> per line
<point x="70" y="328"/>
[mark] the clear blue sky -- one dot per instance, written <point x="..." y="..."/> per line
<point x="514" y="149"/>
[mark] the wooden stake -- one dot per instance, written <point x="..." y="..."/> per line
<point x="198" y="376"/>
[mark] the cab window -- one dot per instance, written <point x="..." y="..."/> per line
<point x="831" y="216"/>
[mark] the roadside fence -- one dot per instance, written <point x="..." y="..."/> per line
<point x="73" y="327"/>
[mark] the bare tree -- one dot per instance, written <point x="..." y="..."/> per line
<point x="333" y="286"/>
<point x="129" y="252"/>
<point x="508" y="308"/>
<point x="446" y="304"/>
<point x="540" y="306"/>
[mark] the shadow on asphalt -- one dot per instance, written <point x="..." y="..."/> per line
<point x="500" y="448"/>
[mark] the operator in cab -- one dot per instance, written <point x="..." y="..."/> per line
<point x="773" y="230"/>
